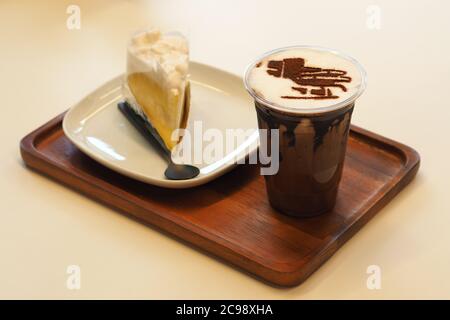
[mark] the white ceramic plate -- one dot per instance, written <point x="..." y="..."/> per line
<point x="218" y="100"/>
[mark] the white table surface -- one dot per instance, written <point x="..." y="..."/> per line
<point x="45" y="68"/>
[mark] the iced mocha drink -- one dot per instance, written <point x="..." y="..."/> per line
<point x="308" y="94"/>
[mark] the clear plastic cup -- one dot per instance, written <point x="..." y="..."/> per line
<point x="312" y="144"/>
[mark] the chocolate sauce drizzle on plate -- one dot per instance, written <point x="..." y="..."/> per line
<point x="321" y="80"/>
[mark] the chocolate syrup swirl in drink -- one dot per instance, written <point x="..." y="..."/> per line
<point x="311" y="158"/>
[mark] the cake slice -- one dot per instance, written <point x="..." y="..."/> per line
<point x="156" y="81"/>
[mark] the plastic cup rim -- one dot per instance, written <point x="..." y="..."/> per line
<point x="329" y="108"/>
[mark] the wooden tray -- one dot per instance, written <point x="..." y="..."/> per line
<point x="231" y="217"/>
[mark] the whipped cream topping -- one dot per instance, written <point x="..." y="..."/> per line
<point x="303" y="78"/>
<point x="165" y="56"/>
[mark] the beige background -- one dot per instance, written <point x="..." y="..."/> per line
<point x="45" y="68"/>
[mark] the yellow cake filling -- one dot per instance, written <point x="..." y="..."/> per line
<point x="160" y="106"/>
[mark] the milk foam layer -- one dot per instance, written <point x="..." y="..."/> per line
<point x="305" y="78"/>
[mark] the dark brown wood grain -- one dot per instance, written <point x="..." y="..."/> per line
<point x="231" y="217"/>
